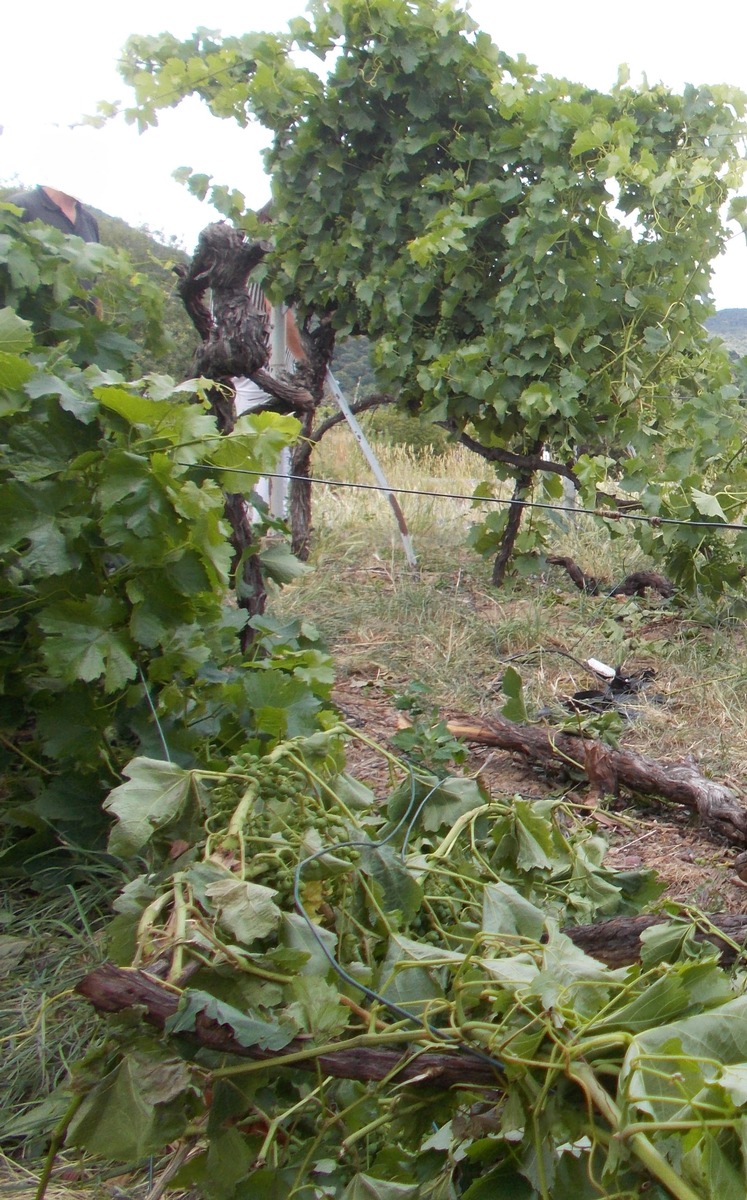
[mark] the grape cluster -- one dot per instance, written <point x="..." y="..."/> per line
<point x="275" y="779"/>
<point x="284" y="822"/>
<point x="436" y="918"/>
<point x="719" y="555"/>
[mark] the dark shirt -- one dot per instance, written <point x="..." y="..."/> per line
<point x="38" y="206"/>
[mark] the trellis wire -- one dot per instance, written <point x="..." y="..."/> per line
<point x="605" y="513"/>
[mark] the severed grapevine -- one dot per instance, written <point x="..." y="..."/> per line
<point x="429" y="922"/>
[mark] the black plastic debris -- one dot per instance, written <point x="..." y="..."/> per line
<point x="618" y="693"/>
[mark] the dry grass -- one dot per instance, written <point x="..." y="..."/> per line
<point x="44" y="1026"/>
<point x="446" y="627"/>
<point x="45" y="1029"/>
<point x="73" y="1180"/>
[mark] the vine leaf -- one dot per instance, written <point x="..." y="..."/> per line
<point x="515" y="708"/>
<point x="440" y="802"/>
<point x="303" y="938"/>
<point x="154" y="797"/>
<point x="366" y="1187"/>
<point x="248" y="1030"/>
<point x="352" y="792"/>
<point x="135" y="1110"/>
<point x="454" y="798"/>
<point x="281" y="565"/>
<point x="316" y="1008"/>
<point x="83" y="645"/>
<point x="245" y="908"/>
<point x="394" y="884"/>
<point x="535" y="848"/>
<point x="283" y="706"/>
<point x="505" y="911"/>
<point x="707" y="506"/>
<point x="137" y="410"/>
<point x="412" y="973"/>
<point x="666" y="1068"/>
<point x="252" y="448"/>
<point x="670" y="997"/>
<point x="15" y="333"/>
<point x="14" y="372"/>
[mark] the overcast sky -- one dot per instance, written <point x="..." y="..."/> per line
<point x="59" y="61"/>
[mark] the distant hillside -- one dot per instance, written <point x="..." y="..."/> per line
<point x="731" y="326"/>
<point x="154" y="256"/>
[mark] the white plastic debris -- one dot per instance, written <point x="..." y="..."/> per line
<point x="600" y="668"/>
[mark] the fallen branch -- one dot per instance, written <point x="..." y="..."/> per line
<point x="114" y="989"/>
<point x="584" y="582"/>
<point x="636" y="584"/>
<point x="607" y="769"/>
<point x="616" y="943"/>
<point x="633" y="585"/>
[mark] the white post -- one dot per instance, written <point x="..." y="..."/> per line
<point x="569" y="494"/>
<point x="278" y="499"/>
<point x="569" y="498"/>
<point x="373" y="462"/>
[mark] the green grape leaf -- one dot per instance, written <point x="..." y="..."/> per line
<point x="135" y="1110"/>
<point x="246" y="909"/>
<point x="669" y="1065"/>
<point x="708" y="506"/>
<point x="366" y="1187"/>
<point x="248" y="1030"/>
<point x="84" y="642"/>
<point x="316" y="1008"/>
<point x="505" y="911"/>
<point x="354" y="794"/>
<point x="15" y="333"/>
<point x="14" y="372"/>
<point x="154" y="796"/>
<point x="515" y="707"/>
<point x="398" y="889"/>
<point x="280" y="563"/>
<point x="414" y="973"/>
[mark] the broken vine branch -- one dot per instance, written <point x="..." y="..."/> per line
<point x="718" y="807"/>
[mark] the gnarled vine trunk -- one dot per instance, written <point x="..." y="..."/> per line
<point x="720" y="809"/>
<point x="234" y="334"/>
<point x="522" y="489"/>
<point x="318" y="345"/>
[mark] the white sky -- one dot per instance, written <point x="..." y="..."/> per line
<point x="59" y="61"/>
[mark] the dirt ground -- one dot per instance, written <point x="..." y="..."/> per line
<point x="695" y="865"/>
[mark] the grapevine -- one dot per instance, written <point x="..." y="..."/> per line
<point x="529" y="257"/>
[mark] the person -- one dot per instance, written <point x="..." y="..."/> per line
<point x="58" y="209"/>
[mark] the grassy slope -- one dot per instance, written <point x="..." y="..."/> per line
<point x="447" y="628"/>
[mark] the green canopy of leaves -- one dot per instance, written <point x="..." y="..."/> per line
<point x="119" y="627"/>
<point x="530" y="257"/>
